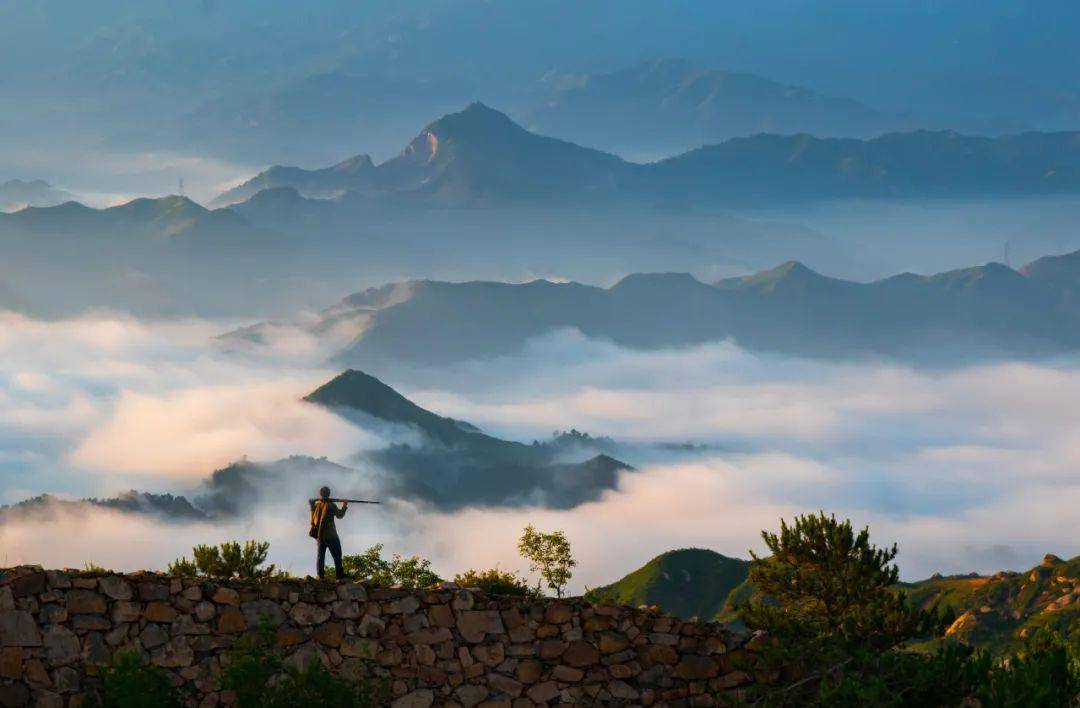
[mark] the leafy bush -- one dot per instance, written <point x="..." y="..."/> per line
<point x="1047" y="678"/>
<point x="824" y="580"/>
<point x="230" y="560"/>
<point x="826" y="593"/>
<point x="183" y="568"/>
<point x="259" y="678"/>
<point x="1043" y="673"/>
<point x="412" y="572"/>
<point x="129" y="681"/>
<point x="497" y="582"/>
<point x="548" y="554"/>
<point x="899" y="679"/>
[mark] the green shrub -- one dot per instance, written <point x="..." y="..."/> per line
<point x="315" y="687"/>
<point x="230" y="560"/>
<point x="1042" y="674"/>
<point x="413" y="572"/>
<point x="183" y="567"/>
<point x="129" y="681"/>
<point x="497" y="582"/>
<point x="824" y="580"/>
<point x="826" y="593"/>
<point x="259" y="678"/>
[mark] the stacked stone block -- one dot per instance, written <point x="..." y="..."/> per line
<point x="443" y="646"/>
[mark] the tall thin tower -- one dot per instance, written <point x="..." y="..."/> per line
<point x="181" y="192"/>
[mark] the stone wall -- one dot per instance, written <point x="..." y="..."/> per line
<point x="445" y="646"/>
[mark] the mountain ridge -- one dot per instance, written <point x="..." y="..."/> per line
<point x="967" y="314"/>
<point x="480" y="156"/>
<point x="455" y="464"/>
<point x="668" y="106"/>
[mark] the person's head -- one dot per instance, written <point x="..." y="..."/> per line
<point x="324" y="492"/>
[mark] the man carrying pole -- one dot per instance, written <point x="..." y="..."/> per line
<point x="324" y="511"/>
<point x="323" y="530"/>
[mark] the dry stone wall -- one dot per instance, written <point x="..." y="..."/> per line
<point x="444" y="646"/>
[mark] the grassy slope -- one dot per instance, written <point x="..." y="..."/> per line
<point x="690" y="582"/>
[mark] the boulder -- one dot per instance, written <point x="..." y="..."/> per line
<point x="470" y="694"/>
<point x="159" y="612"/>
<point x="11" y="659"/>
<point x="306" y="615"/>
<point x="257" y="610"/>
<point x="18" y="629"/>
<point x="174" y="654"/>
<point x="475" y="624"/>
<point x="116" y="587"/>
<point x="416" y="699"/>
<point x="580" y="654"/>
<point x="543" y="692"/>
<point x="153" y="636"/>
<point x="85" y="602"/>
<point x="329" y="634"/>
<point x="14" y="695"/>
<point x="226" y="596"/>
<point x="231" y="621"/>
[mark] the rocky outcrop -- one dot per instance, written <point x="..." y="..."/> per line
<point x="443" y="646"/>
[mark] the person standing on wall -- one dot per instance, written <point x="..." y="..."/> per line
<point x="323" y="513"/>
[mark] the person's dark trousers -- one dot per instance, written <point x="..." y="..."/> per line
<point x="334" y="546"/>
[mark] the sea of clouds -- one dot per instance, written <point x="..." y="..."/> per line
<point x="967" y="469"/>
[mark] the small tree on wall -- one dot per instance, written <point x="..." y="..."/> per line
<point x="548" y="554"/>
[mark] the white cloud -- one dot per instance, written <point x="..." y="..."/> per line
<point x="191" y="432"/>
<point x="967" y="469"/>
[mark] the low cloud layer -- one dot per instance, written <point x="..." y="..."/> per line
<point x="967" y="469"/>
<point x="188" y="432"/>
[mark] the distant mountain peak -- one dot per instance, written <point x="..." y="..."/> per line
<point x="476" y="121"/>
<point x="787" y="274"/>
<point x="355" y="389"/>
<point x="657" y="280"/>
<point x="356" y="163"/>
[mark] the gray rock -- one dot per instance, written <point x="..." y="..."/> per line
<point x="116" y="587"/>
<point x="306" y="615"/>
<point x="470" y="694"/>
<point x="18" y="629"/>
<point x="474" y="624"/>
<point x="176" y="653"/>
<point x="153" y="636"/>
<point x="126" y="611"/>
<point x="66" y="679"/>
<point x="352" y="591"/>
<point x="416" y="699"/>
<point x="205" y="611"/>
<point x="85" y="602"/>
<point x="257" y="609"/>
<point x="48" y="699"/>
<point x="95" y="652"/>
<point x="404" y="606"/>
<point x="61" y="645"/>
<point x="13" y="695"/>
<point x="346" y="609"/>
<point x="463" y="600"/>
